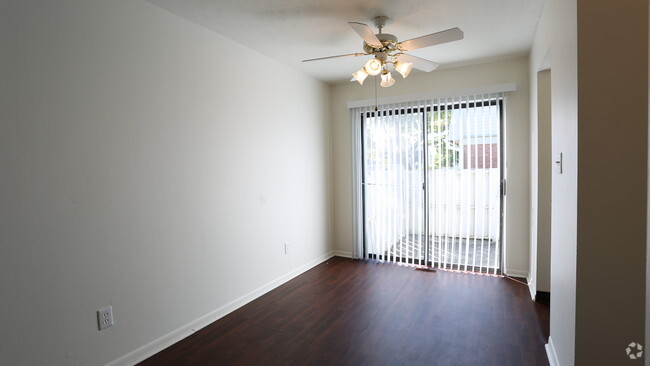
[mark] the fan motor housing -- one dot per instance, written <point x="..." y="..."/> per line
<point x="388" y="41"/>
<point x="385" y="37"/>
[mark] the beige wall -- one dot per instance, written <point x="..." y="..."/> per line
<point x="612" y="117"/>
<point x="647" y="279"/>
<point x="517" y="132"/>
<point x="138" y="172"/>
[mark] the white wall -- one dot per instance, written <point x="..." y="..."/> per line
<point x="517" y="136"/>
<point x="539" y="59"/>
<point x="138" y="172"/>
<point x="557" y="28"/>
<point x="560" y="15"/>
<point x="543" y="178"/>
<point x="540" y="165"/>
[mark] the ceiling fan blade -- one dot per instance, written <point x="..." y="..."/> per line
<point x="366" y="33"/>
<point x="418" y="63"/>
<point x="449" y="35"/>
<point x="337" y="56"/>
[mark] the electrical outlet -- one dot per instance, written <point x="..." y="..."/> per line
<point x="286" y="248"/>
<point x="105" y="317"/>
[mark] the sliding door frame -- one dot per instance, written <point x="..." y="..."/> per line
<point x="426" y="110"/>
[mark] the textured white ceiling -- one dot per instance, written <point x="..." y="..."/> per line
<point x="294" y="30"/>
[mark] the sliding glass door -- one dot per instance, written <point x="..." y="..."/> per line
<point x="431" y="183"/>
<point x="393" y="171"/>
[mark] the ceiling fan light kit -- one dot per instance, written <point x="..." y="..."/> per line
<point x="360" y="76"/>
<point x="373" y="67"/>
<point x="386" y="50"/>
<point x="386" y="79"/>
<point x="404" y="68"/>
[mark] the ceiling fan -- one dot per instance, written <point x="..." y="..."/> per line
<point x="387" y="50"/>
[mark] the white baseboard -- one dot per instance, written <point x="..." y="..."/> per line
<point x="517" y="273"/>
<point x="532" y="287"/>
<point x="150" y="349"/>
<point x="342" y="253"/>
<point x="550" y="353"/>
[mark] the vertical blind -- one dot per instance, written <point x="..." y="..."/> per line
<point x="427" y="178"/>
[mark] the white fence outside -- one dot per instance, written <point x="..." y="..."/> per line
<point x="462" y="203"/>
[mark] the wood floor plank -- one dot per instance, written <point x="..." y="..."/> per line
<point x="350" y="312"/>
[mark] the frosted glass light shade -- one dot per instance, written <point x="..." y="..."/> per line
<point x="404" y="68"/>
<point x="360" y="76"/>
<point x="387" y="79"/>
<point x="373" y="67"/>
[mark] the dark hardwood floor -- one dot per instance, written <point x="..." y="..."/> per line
<point x="349" y="312"/>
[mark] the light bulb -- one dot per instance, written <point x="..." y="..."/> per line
<point x="403" y="68"/>
<point x="373" y="67"/>
<point x="386" y="79"/>
<point x="360" y="76"/>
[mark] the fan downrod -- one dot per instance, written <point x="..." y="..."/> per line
<point x="380" y="21"/>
